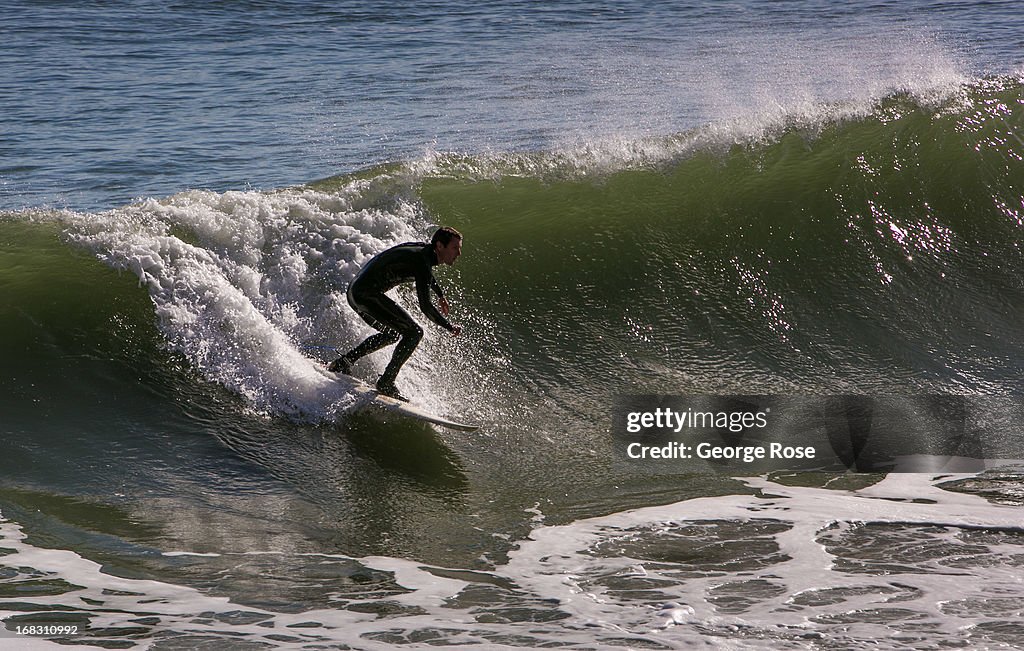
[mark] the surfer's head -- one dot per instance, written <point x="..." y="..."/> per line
<point x="447" y="244"/>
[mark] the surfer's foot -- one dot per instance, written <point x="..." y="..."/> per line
<point x="341" y="365"/>
<point x="390" y="390"/>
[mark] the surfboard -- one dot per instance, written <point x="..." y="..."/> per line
<point x="372" y="397"/>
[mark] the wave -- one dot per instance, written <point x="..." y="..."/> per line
<point x="869" y="249"/>
<point x="871" y="253"/>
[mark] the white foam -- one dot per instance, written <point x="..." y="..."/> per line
<point x="776" y="568"/>
<point x="241" y="279"/>
<point x="560" y="560"/>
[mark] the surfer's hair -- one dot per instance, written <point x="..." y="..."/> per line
<point x="445" y="235"/>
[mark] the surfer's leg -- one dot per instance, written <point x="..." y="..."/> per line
<point x="387" y="316"/>
<point x="411" y="335"/>
<point x="377" y="313"/>
<point x="371" y="344"/>
<point x="395" y="325"/>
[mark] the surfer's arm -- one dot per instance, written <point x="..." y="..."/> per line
<point x="436" y="287"/>
<point x="423" y="285"/>
<point x="441" y="300"/>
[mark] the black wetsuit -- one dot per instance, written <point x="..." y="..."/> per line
<point x="409" y="262"/>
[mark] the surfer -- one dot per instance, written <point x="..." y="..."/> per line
<point x="409" y="262"/>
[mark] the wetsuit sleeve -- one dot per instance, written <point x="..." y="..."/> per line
<point x="434" y="286"/>
<point x="424" y="282"/>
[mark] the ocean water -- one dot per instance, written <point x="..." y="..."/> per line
<point x="804" y="201"/>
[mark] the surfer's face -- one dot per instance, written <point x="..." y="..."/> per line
<point x="450" y="253"/>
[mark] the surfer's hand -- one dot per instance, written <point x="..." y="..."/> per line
<point x="456" y="329"/>
<point x="444" y="306"/>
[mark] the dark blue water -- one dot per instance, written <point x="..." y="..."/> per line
<point x="104" y="104"/>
